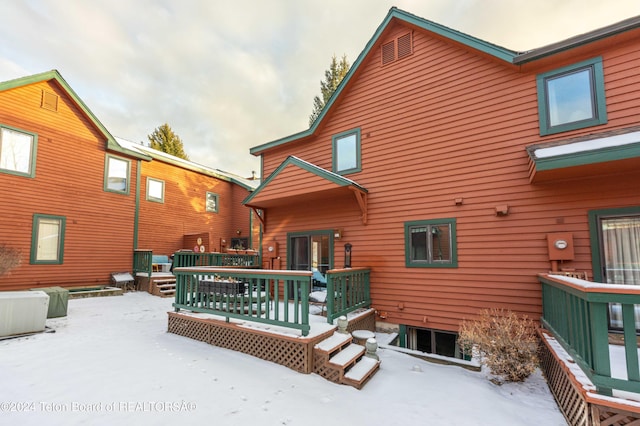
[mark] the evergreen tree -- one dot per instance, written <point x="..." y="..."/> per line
<point x="164" y="139"/>
<point x="333" y="76"/>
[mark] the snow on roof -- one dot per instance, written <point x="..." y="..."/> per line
<point x="250" y="184"/>
<point x="588" y="145"/>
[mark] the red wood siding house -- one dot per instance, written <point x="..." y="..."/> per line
<point x="71" y="220"/>
<point x="435" y="159"/>
<point x="191" y="201"/>
<point x="76" y="202"/>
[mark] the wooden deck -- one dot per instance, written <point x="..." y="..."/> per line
<point x="580" y="406"/>
<point x="344" y="363"/>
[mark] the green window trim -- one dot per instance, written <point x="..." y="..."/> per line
<point x="111" y="183"/>
<point x="212" y="202"/>
<point x="594" y="235"/>
<point x="599" y="107"/>
<point x="355" y="163"/>
<point x="151" y="197"/>
<point x="30" y="163"/>
<point x="434" y="245"/>
<point x="38" y="258"/>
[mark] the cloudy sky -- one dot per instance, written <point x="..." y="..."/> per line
<point x="230" y="75"/>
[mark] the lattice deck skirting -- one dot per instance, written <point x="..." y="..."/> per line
<point x="293" y="352"/>
<point x="366" y="321"/>
<point x="578" y="407"/>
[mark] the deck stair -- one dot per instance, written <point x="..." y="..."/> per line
<point x="339" y="360"/>
<point x="163" y="287"/>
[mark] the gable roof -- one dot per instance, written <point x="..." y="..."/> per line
<point x="55" y="75"/>
<point x="330" y="182"/>
<point x="155" y="154"/>
<point x="510" y="57"/>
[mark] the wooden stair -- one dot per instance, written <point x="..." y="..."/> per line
<point x="339" y="360"/>
<point x="163" y="287"/>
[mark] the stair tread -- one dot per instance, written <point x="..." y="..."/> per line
<point x="362" y="369"/>
<point x="335" y="341"/>
<point x="347" y="355"/>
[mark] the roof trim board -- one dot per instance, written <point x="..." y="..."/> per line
<point x="55" y="75"/>
<point x="508" y="56"/>
<point x="359" y="191"/>
<point x="394" y="13"/>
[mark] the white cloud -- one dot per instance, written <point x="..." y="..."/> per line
<point x="227" y="76"/>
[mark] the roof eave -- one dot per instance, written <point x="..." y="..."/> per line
<point x="579" y="40"/>
<point x="394" y="13"/>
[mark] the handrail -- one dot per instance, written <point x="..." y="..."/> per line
<point x="575" y="312"/>
<point x="248" y="294"/>
<point x="188" y="258"/>
<point x="347" y="290"/>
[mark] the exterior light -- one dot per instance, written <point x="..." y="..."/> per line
<point x="347" y="255"/>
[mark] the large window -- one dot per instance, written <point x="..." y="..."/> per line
<point x="117" y="174"/>
<point x="47" y="239"/>
<point x="431" y="243"/>
<point x="17" y="151"/>
<point x="212" y="202"/>
<point x="155" y="190"/>
<point x="615" y="235"/>
<point x="572" y="97"/>
<point x="346" y="152"/>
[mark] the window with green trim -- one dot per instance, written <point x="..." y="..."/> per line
<point x="155" y="190"/>
<point x="431" y="243"/>
<point x="212" y="202"/>
<point x="17" y="151"/>
<point x="116" y="174"/>
<point x="572" y="97"/>
<point x="346" y="152"/>
<point x="47" y="239"/>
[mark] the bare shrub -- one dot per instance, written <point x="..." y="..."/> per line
<point x="506" y="343"/>
<point x="9" y="259"/>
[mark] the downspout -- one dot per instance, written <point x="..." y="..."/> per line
<point x="136" y="215"/>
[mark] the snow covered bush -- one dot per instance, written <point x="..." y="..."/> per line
<point x="9" y="259"/>
<point x="506" y="343"/>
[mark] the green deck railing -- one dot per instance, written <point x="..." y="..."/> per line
<point x="142" y="261"/>
<point x="347" y="290"/>
<point x="248" y="294"/>
<point x="576" y="314"/>
<point x="190" y="259"/>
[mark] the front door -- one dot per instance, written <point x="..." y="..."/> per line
<point x="619" y="243"/>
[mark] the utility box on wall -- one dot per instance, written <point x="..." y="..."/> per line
<point x="560" y="245"/>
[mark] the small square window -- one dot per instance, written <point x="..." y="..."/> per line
<point x="572" y="97"/>
<point x="346" y="152"/>
<point x="116" y="173"/>
<point x="212" y="202"/>
<point x="431" y="243"/>
<point x="47" y="239"/>
<point x="17" y="152"/>
<point x="155" y="190"/>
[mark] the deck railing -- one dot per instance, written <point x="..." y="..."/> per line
<point x="575" y="312"/>
<point x="190" y="259"/>
<point x="347" y="290"/>
<point x="249" y="294"/>
<point x="142" y="261"/>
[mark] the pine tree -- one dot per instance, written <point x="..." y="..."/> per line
<point x="164" y="139"/>
<point x="333" y="76"/>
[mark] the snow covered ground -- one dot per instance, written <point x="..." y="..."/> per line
<point x="111" y="361"/>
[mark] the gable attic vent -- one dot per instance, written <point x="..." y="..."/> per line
<point x="49" y="101"/>
<point x="397" y="48"/>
